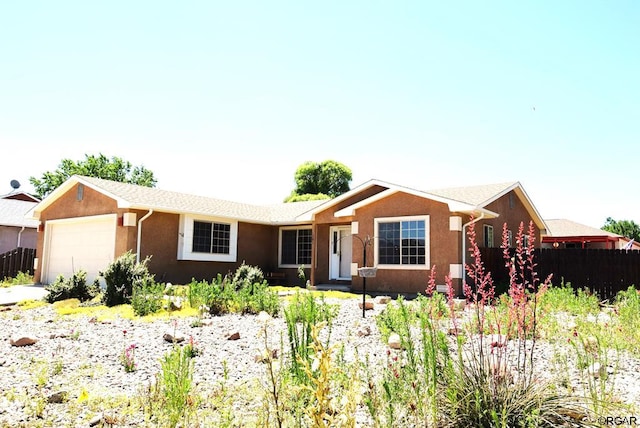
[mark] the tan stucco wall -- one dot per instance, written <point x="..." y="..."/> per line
<point x="444" y="245"/>
<point x="67" y="206"/>
<point x="257" y="244"/>
<point x="511" y="216"/>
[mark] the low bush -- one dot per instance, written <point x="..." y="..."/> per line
<point x="241" y="295"/>
<point x="247" y="275"/>
<point x="121" y="276"/>
<point x="72" y="288"/>
<point x="147" y="297"/>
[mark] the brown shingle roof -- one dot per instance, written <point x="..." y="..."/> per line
<point x="479" y="195"/>
<point x="566" y="228"/>
<point x="133" y="196"/>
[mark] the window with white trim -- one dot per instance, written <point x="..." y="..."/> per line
<point x="207" y="239"/>
<point x="402" y="242"/>
<point x="210" y="237"/>
<point x="488" y="236"/>
<point x="295" y="246"/>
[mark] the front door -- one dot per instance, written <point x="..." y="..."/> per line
<point x="340" y="252"/>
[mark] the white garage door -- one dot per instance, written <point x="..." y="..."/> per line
<point x="86" y="243"/>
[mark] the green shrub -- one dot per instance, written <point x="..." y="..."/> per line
<point x="247" y="275"/>
<point x="20" y="279"/>
<point x="257" y="297"/>
<point x="73" y="288"/>
<point x="121" y="276"/>
<point x="147" y="297"/>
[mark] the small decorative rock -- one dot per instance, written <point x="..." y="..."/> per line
<point x="383" y="300"/>
<point x="95" y="420"/>
<point x="234" y="336"/>
<point x="23" y="340"/>
<point x="394" y="341"/>
<point x="175" y="337"/>
<point x="368" y="305"/>
<point x="206" y="322"/>
<point x="57" y="397"/>
<point x="364" y="331"/>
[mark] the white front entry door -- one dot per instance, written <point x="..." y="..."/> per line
<point x="340" y="252"/>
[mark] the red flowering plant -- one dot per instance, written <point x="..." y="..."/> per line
<point x="128" y="356"/>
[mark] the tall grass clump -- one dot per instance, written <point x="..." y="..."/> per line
<point x="326" y="396"/>
<point x="301" y="315"/>
<point x="170" y="401"/>
<point x="627" y="306"/>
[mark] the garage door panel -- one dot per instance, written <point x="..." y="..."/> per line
<point x="86" y="244"/>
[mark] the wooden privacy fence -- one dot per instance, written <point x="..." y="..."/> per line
<point x="605" y="272"/>
<point x="17" y="260"/>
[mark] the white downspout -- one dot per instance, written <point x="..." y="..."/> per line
<point x="464" y="247"/>
<point x="19" y="236"/>
<point x="146" y="216"/>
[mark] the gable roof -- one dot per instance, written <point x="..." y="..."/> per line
<point x="390" y="189"/>
<point x="21" y="196"/>
<point x="483" y="195"/>
<point x="13" y="212"/>
<point x="565" y="228"/>
<point x="471" y="200"/>
<point x="131" y="196"/>
<point x="479" y="195"/>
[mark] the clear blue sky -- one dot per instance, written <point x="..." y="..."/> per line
<point x="226" y="99"/>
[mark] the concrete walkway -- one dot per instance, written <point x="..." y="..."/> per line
<point x="17" y="293"/>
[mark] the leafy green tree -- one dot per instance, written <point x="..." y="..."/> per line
<point x="627" y="228"/>
<point x="100" y="166"/>
<point x="323" y="180"/>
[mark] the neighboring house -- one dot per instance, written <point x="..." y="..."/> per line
<point x="89" y="221"/>
<point x="20" y="196"/>
<point x="15" y="229"/>
<point x="569" y="234"/>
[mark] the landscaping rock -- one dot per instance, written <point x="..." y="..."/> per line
<point x="382" y="300"/>
<point x="234" y="336"/>
<point x="368" y="305"/>
<point x="364" y="331"/>
<point x="23" y="339"/>
<point x="57" y="397"/>
<point x="394" y="341"/>
<point x="173" y="337"/>
<point x="95" y="420"/>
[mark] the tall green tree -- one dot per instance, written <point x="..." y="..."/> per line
<point x="318" y="180"/>
<point x="100" y="166"/>
<point x="628" y="228"/>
